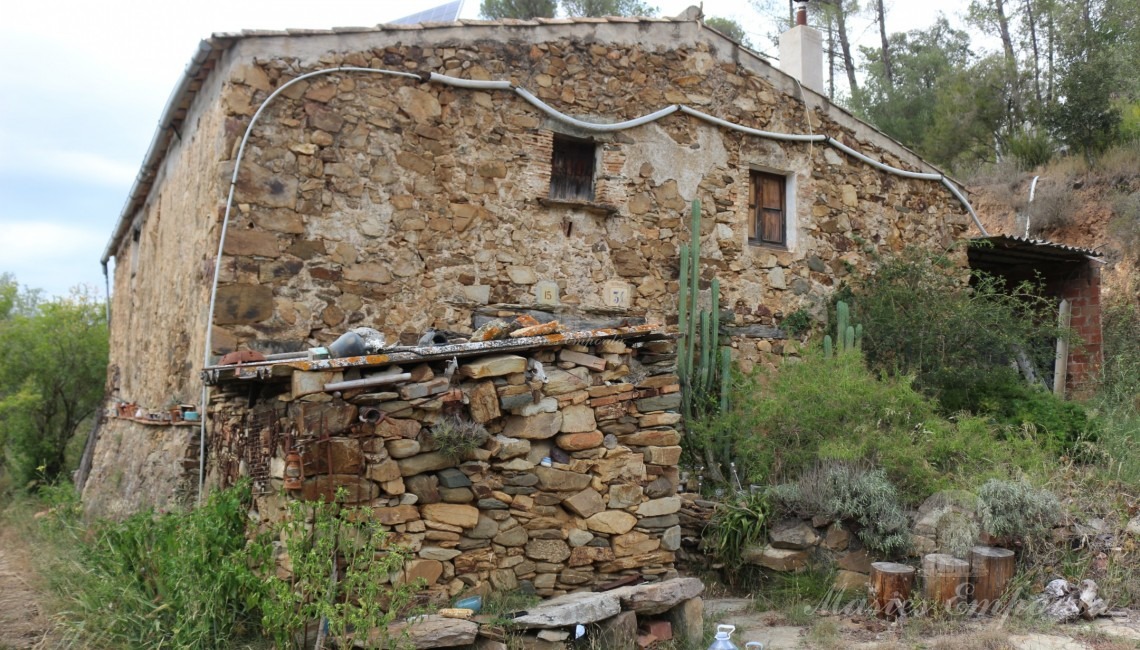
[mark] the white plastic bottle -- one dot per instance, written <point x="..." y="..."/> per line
<point x="723" y="640"/>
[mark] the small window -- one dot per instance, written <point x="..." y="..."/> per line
<point x="572" y="168"/>
<point x="768" y="223"/>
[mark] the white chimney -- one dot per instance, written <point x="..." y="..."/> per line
<point x="801" y="51"/>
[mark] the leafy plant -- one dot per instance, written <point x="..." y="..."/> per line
<point x="181" y="580"/>
<point x="736" y="525"/>
<point x="342" y="574"/>
<point x="848" y="492"/>
<point x="1031" y="148"/>
<point x="457" y="437"/>
<point x="51" y="380"/>
<point x="1017" y="510"/>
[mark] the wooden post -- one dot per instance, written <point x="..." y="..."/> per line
<point x="945" y="579"/>
<point x="991" y="569"/>
<point x="1061" y="364"/>
<point x="890" y="588"/>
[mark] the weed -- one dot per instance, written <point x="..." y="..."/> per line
<point x="847" y="492"/>
<point x="1016" y="510"/>
<point x="1054" y="207"/>
<point x="340" y="563"/>
<point x="457" y="437"/>
<point x="737" y="525"/>
<point x="182" y="580"/>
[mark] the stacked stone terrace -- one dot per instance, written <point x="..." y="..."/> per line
<point x="602" y="408"/>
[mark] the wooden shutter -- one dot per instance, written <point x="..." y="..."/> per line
<point x="572" y="167"/>
<point x="769" y="216"/>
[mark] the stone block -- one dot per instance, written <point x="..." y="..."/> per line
<point x="462" y="516"/>
<point x="432" y="631"/>
<point x="618" y="632"/>
<point x="794" y="534"/>
<point x="634" y="543"/>
<point x="324" y="488"/>
<point x="652" y="437"/>
<point x="398" y="428"/>
<point x="399" y="448"/>
<point x="512" y="537"/>
<point x="624" y="495"/>
<point x="493" y="366"/>
<point x="453" y="478"/>
<point x="395" y="515"/>
<point x="425" y="487"/>
<point x="659" y="507"/>
<point x="851" y="581"/>
<point x="535" y="427"/>
<point x="384" y="472"/>
<point x="581" y="608"/>
<point x="579" y="441"/>
<point x="308" y="383"/>
<point x="483" y="402"/>
<point x="667" y="456"/>
<point x="658" y="419"/>
<point x="585" y="503"/>
<point x="548" y="550"/>
<point x="658" y="597"/>
<point x="560" y="480"/>
<point x="668" y="402"/>
<point x="577" y="419"/>
<point x="243" y="304"/>
<point x="671" y="538"/>
<point x="428" y="462"/>
<point x="321" y="418"/>
<point x="611" y="522"/>
<point x="688" y="619"/>
<point x="597" y="364"/>
<point x="777" y="559"/>
<point x="585" y="555"/>
<point x="425" y="389"/>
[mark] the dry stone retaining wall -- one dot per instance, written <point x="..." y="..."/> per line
<point x="602" y="506"/>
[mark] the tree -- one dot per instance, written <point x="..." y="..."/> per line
<point x="52" y="374"/>
<point x="595" y="8"/>
<point x="923" y="61"/>
<point x="729" y="28"/>
<point x="881" y="18"/>
<point x="838" y="11"/>
<point x="521" y="9"/>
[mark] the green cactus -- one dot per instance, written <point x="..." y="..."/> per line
<point x="827" y="350"/>
<point x="859" y="337"/>
<point x="842" y="316"/>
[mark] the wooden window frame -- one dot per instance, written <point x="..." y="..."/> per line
<point x="573" y="169"/>
<point x="768" y="211"/>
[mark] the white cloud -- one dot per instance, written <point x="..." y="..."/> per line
<point x="83" y="166"/>
<point x="51" y="256"/>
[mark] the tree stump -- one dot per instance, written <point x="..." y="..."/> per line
<point x="946" y="579"/>
<point x="991" y="569"/>
<point x="890" y="588"/>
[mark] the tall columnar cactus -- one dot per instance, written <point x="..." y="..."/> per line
<point x="700" y="363"/>
<point x="848" y="336"/>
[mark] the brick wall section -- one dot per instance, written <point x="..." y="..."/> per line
<point x="1083" y="293"/>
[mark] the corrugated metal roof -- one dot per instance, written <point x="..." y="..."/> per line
<point x="1025" y="243"/>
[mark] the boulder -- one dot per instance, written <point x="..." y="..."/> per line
<point x="658" y="597"/>
<point x="794" y="534"/>
<point x="611" y="522"/>
<point x="777" y="559"/>
<point x="586" y="503"/>
<point x="433" y="631"/>
<point x="579" y="608"/>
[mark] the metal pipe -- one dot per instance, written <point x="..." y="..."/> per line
<point x="1029" y="206"/>
<point x="381" y="380"/>
<point x="770" y="135"/>
<point x="594" y="126"/>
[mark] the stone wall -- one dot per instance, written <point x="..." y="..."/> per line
<point x="373" y="200"/>
<point x="602" y="506"/>
<point x="158" y="320"/>
<point x="360" y="190"/>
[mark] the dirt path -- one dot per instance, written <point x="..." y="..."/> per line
<point x="22" y="622"/>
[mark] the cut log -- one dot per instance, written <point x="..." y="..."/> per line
<point x="890" y="588"/>
<point x="991" y="569"/>
<point x="946" y="580"/>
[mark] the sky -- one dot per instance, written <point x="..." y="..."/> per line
<point x="84" y="83"/>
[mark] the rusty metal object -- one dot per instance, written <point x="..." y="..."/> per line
<point x="536" y="330"/>
<point x="294" y="473"/>
<point x="239" y="357"/>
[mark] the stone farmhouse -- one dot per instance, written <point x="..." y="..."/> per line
<point x="303" y="183"/>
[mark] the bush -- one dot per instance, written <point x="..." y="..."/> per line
<point x="822" y="409"/>
<point x="1054" y="207"/>
<point x="736" y="525"/>
<point x="847" y="492"/>
<point x="920" y="318"/>
<point x="457" y="437"/>
<point x="1031" y="149"/>
<point x="181" y="580"/>
<point x="1016" y="510"/>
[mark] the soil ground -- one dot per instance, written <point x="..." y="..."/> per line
<point x="776" y="632"/>
<point x="23" y="623"/>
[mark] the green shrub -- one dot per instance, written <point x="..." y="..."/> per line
<point x="1016" y="510"/>
<point x="180" y="580"/>
<point x="782" y="424"/>
<point x="1060" y="426"/>
<point x="457" y="437"/>
<point x="341" y="569"/>
<point x="847" y="492"/>
<point x="736" y="525"/>
<point x="1031" y="149"/>
<point x="920" y="318"/>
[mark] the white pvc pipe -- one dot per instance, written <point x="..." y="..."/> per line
<point x="770" y="135"/>
<point x="594" y="126"/>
